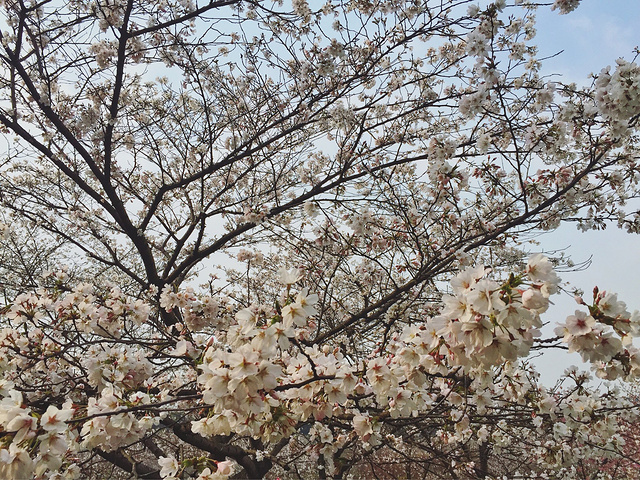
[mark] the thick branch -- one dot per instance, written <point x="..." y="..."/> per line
<point x="139" y="469"/>
<point x="220" y="451"/>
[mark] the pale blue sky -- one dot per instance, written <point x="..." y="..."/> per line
<point x="592" y="37"/>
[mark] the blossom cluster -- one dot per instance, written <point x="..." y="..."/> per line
<point x="381" y="148"/>
<point x="484" y="322"/>
<point x="565" y="6"/>
<point x="77" y="377"/>
<point x="49" y="431"/>
<point x="617" y="95"/>
<point x="603" y="336"/>
<point x="261" y="376"/>
<point x="269" y="381"/>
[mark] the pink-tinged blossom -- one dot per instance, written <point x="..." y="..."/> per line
<point x="207" y="474"/>
<point x="607" y="346"/>
<point x="23" y="425"/>
<point x="363" y="427"/>
<point x="53" y="420"/>
<point x="484" y="298"/>
<point x="477" y="44"/>
<point x="477" y="333"/>
<point x="225" y="468"/>
<point x="456" y="307"/>
<point x="464" y="281"/>
<point x="54" y="443"/>
<point x="169" y="466"/>
<point x="289" y="277"/>
<point x="268" y="374"/>
<point x="294" y="314"/>
<point x="282" y="334"/>
<point x="48" y="460"/>
<point x="348" y="378"/>
<point x="516" y="315"/>
<point x="243" y="363"/>
<point x="307" y="302"/>
<point x="618" y="95"/>
<point x="167" y="298"/>
<point x="185" y="348"/>
<point x="565" y="6"/>
<point x="15" y="463"/>
<point x="611" y="306"/>
<point x="580" y="323"/>
<point x="533" y="299"/>
<point x="540" y="271"/>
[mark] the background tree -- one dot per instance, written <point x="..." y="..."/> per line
<point x="24" y="258"/>
<point x="367" y="151"/>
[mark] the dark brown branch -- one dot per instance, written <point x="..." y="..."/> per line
<point x="139" y="469"/>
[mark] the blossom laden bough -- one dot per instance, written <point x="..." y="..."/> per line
<point x="255" y="384"/>
<point x="353" y="186"/>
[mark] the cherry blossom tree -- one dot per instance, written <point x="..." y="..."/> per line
<point x="297" y="236"/>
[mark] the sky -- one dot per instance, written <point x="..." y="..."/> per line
<point x="590" y="38"/>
